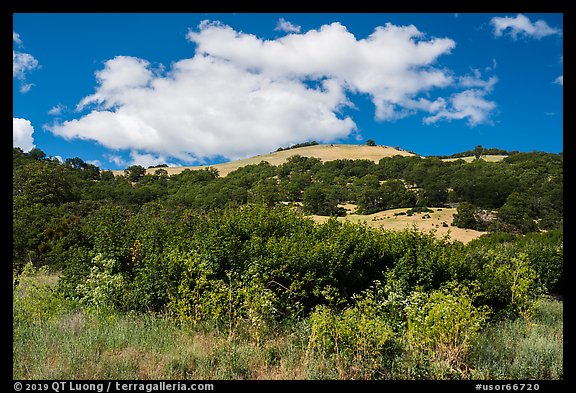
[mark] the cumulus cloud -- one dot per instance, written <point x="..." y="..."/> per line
<point x="22" y="131"/>
<point x="206" y="108"/>
<point x="120" y="76"/>
<point x="520" y="26"/>
<point x="392" y="65"/>
<point x="287" y="27"/>
<point x="240" y="95"/>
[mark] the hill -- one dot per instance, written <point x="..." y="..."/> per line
<point x="324" y="152"/>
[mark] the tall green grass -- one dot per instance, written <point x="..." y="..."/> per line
<point x="54" y="339"/>
<point x="519" y="349"/>
<point x="99" y="346"/>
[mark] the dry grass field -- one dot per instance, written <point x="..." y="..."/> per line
<point x="439" y="221"/>
<point x="323" y="152"/>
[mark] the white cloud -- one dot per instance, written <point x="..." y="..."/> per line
<point x="285" y="26"/>
<point x="22" y="131"/>
<point x="16" y="38"/>
<point x="468" y="104"/>
<point x="146" y="159"/>
<point x="121" y="75"/>
<point x="475" y="80"/>
<point x="393" y="63"/>
<point x="560" y="80"/>
<point x="492" y="67"/>
<point x="207" y="108"/>
<point x="520" y="25"/>
<point x="57" y="110"/>
<point x="241" y="95"/>
<point x="25" y="87"/>
<point x="116" y="159"/>
<point x="22" y="63"/>
<point x="94" y="162"/>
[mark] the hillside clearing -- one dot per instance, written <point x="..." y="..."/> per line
<point x="439" y="221"/>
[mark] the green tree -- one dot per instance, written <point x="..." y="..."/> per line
<point x="478" y="151"/>
<point x="45" y="182"/>
<point x="135" y="172"/>
<point x="370" y="142"/>
<point x="469" y="216"/>
<point x="320" y="199"/>
<point x="264" y="191"/>
<point x="37" y="154"/>
<point x="517" y="214"/>
<point x="435" y="193"/>
<point x="293" y="185"/>
<point x="76" y="163"/>
<point x="106" y="175"/>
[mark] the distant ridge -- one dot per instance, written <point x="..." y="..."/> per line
<point x="325" y="152"/>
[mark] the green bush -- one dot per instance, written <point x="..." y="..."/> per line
<point x="34" y="299"/>
<point x="469" y="216"/>
<point x="544" y="252"/>
<point x="356" y="338"/>
<point x="103" y="289"/>
<point x="442" y="324"/>
<point x="508" y="284"/>
<point x="232" y="302"/>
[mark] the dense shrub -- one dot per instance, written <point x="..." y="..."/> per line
<point x="190" y="262"/>
<point x="544" y="253"/>
<point x="469" y="216"/>
<point x="34" y="299"/>
<point x="442" y="324"/>
<point x="104" y="286"/>
<point x="356" y="338"/>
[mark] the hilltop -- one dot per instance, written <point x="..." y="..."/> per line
<point x="325" y="152"/>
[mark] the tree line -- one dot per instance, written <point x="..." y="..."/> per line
<point x="522" y="193"/>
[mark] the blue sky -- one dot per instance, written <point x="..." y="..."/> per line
<point x="187" y="89"/>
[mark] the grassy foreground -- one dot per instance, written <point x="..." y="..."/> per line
<point x="70" y="343"/>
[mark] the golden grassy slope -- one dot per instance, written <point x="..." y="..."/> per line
<point x="323" y="152"/>
<point x="388" y="220"/>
